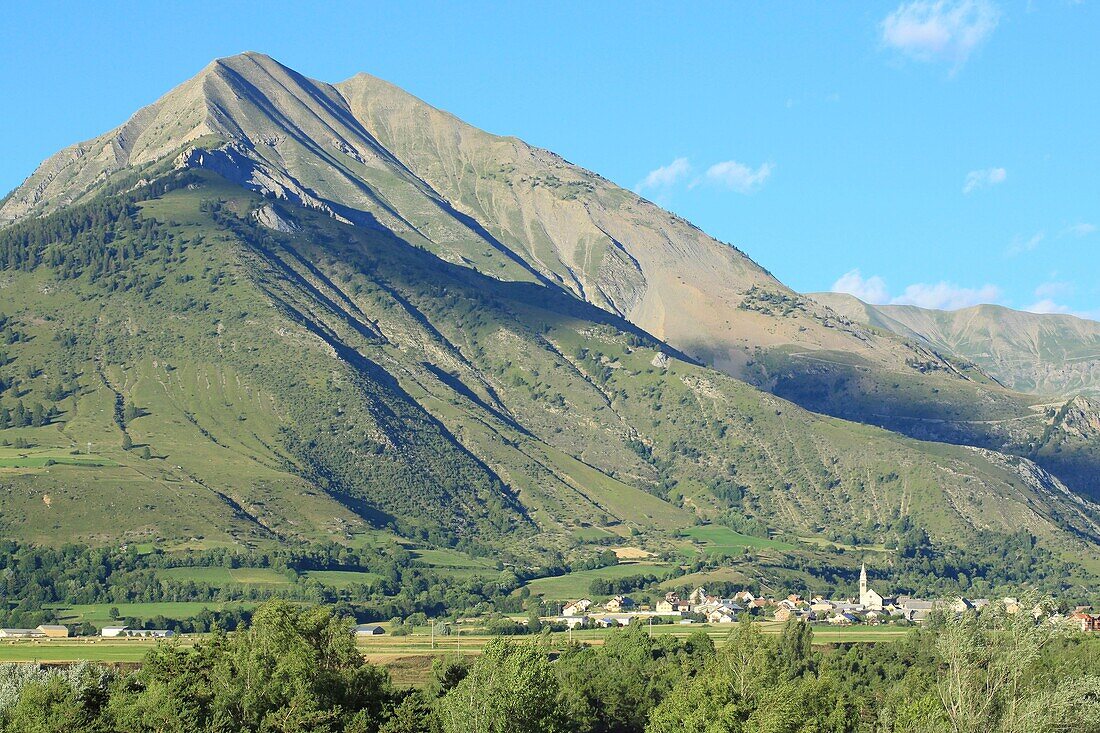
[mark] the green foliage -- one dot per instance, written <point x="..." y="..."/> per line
<point x="511" y="688"/>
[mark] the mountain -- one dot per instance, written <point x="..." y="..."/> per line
<point x="1050" y="355"/>
<point x="271" y="309"/>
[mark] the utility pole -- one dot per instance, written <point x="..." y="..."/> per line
<point x="432" y="622"/>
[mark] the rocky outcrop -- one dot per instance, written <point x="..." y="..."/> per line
<point x="1080" y="418"/>
<point x="270" y="217"/>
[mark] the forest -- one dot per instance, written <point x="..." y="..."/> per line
<point x="297" y="669"/>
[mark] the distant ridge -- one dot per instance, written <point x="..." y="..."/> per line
<point x="1051" y="355"/>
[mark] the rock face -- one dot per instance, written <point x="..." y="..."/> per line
<point x="1080" y="418"/>
<point x="271" y="218"/>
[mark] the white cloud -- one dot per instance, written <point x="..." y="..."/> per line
<point x="870" y="290"/>
<point x="665" y="176"/>
<point x="1081" y="229"/>
<point x="944" y="30"/>
<point x="939" y="296"/>
<point x="1053" y="289"/>
<point x="947" y="296"/>
<point x="984" y="178"/>
<point x="738" y="176"/>
<point x="1020" y="245"/>
<point x="1047" y="305"/>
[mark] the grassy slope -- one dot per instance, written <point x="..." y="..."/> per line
<point x="404" y="370"/>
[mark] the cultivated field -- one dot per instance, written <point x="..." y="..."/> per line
<point x="408" y="658"/>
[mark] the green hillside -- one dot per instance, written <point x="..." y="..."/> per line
<point x="242" y="384"/>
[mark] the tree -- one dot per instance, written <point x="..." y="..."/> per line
<point x="511" y="688"/>
<point x="146" y="454"/>
<point x="795" y="652"/>
<point x="127" y="442"/>
<point x="534" y="623"/>
<point x="990" y="683"/>
<point x="741" y="690"/>
<point x="38" y="416"/>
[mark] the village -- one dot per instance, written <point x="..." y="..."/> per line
<point x="870" y="607"/>
<point x="698" y="607"/>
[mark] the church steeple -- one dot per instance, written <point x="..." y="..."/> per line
<point x="863" y="599"/>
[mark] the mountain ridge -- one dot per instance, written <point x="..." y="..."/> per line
<point x="456" y="336"/>
<point x="1050" y="354"/>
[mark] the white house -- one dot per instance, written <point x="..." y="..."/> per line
<point x="109" y="632"/>
<point x="576" y="608"/>
<point x="721" y="615"/>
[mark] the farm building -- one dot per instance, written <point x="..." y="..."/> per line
<point x="110" y="632"/>
<point x="54" y="631"/>
<point x="20" y="634"/>
<point x="369" y="630"/>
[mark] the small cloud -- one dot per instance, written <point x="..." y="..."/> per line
<point x="665" y="176"/>
<point x="870" y="290"/>
<point x="984" y="178"/>
<point x="1081" y="229"/>
<point x="1053" y="289"/>
<point x="737" y="176"/>
<point x="1020" y="245"/>
<point x="946" y="296"/>
<point x="944" y="30"/>
<point x="1047" y="306"/>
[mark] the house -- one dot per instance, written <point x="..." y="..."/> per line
<point x="697" y="597"/>
<point x="843" y="619"/>
<point x="110" y="632"/>
<point x="665" y="607"/>
<point x="606" y="622"/>
<point x="916" y="609"/>
<point x="618" y="603"/>
<point x="576" y="608"/>
<point x="20" y="634"/>
<point x="784" y="612"/>
<point x="1085" y="621"/>
<point x="368" y="630"/>
<point x="744" y="597"/>
<point x="721" y="615"/>
<point x="54" y="631"/>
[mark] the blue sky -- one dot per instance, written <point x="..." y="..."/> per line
<point x="938" y="153"/>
